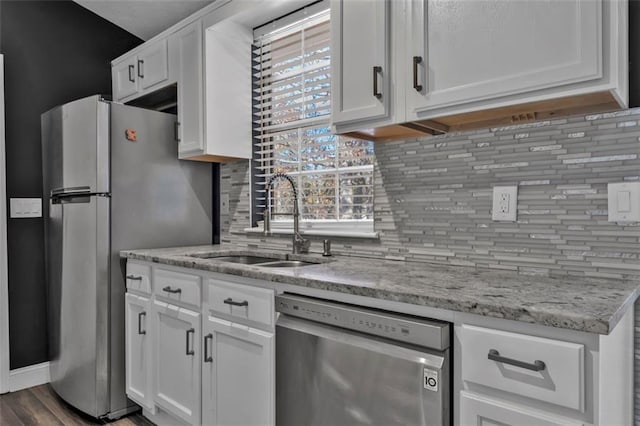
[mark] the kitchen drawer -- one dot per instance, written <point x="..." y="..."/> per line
<point x="476" y="410"/>
<point x="560" y="381"/>
<point x="177" y="287"/>
<point x="241" y="302"/>
<point x="138" y="277"/>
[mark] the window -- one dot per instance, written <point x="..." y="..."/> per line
<point x="292" y="108"/>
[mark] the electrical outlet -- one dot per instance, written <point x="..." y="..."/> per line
<point x="224" y="204"/>
<point x="505" y="203"/>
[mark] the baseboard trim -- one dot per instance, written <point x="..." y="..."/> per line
<point x="27" y="377"/>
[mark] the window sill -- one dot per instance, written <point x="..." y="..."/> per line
<point x="318" y="233"/>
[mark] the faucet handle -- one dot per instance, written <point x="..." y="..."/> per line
<point x="326" y="248"/>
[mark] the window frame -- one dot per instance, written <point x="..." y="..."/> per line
<point x="363" y="228"/>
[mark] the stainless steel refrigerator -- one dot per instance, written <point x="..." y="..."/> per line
<point x="112" y="181"/>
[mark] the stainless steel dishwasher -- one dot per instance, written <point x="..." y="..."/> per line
<point x="339" y="364"/>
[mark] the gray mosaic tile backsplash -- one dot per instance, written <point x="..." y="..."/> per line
<point x="433" y="199"/>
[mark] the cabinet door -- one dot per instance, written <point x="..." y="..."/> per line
<point x="152" y="67"/>
<point x="480" y="50"/>
<point x="478" y="411"/>
<point x="238" y="385"/>
<point x="190" y="104"/>
<point x="124" y="79"/>
<point x="138" y="350"/>
<point x="177" y="361"/>
<point x="359" y="60"/>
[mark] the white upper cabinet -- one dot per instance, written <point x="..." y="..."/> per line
<point x="188" y="42"/>
<point x="124" y="78"/>
<point x="458" y="65"/>
<point x="140" y="73"/>
<point x="203" y="65"/>
<point x="479" y="50"/>
<point x="360" y="60"/>
<point x="153" y="66"/>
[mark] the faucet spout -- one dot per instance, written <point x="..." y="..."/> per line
<point x="300" y="245"/>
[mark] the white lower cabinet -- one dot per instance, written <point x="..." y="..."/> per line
<point x="138" y="344"/>
<point x="238" y="386"/>
<point x="478" y="411"/>
<point x="177" y="366"/>
<point x="187" y="367"/>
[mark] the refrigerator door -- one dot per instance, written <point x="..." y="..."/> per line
<point x="75" y="142"/>
<point x="75" y="153"/>
<point x="78" y="280"/>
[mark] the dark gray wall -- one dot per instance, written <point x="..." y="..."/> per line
<point x="54" y="52"/>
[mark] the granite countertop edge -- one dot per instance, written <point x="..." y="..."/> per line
<point x="339" y="275"/>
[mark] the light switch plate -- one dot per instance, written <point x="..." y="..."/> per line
<point x="505" y="203"/>
<point x="624" y="202"/>
<point x="25" y="207"/>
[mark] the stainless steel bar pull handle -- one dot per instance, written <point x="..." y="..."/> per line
<point x="230" y="301"/>
<point x="134" y="277"/>
<point x="140" y="69"/>
<point x="416" y="61"/>
<point x="172" y="290"/>
<point x="140" y="315"/>
<point x="207" y="357"/>
<point x="131" y="75"/>
<point x="190" y="351"/>
<point x="376" y="70"/>
<point x="537" y="365"/>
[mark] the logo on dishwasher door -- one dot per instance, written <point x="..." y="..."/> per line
<point x="430" y="380"/>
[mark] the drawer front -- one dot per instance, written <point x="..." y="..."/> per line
<point x="543" y="369"/>
<point x="177" y="287"/>
<point x="138" y="277"/>
<point x="479" y="411"/>
<point x="241" y="302"/>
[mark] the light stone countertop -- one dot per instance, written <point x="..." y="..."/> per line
<point x="583" y="304"/>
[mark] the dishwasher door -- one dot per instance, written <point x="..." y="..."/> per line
<point x="335" y="377"/>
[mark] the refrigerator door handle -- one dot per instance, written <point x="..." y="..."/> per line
<point x="70" y="191"/>
<point x="74" y="196"/>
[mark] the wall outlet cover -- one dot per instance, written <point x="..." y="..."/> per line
<point x="505" y="203"/>
<point x="224" y="204"/>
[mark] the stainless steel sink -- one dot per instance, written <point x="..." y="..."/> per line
<point x="245" y="260"/>
<point x="286" y="264"/>
<point x="266" y="262"/>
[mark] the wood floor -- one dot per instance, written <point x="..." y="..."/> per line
<point x="41" y="406"/>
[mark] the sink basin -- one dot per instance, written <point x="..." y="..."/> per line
<point x="245" y="260"/>
<point x="286" y="264"/>
<point x="266" y="262"/>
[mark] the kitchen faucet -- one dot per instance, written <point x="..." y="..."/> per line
<point x="300" y="245"/>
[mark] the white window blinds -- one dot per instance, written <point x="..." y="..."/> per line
<point x="292" y="107"/>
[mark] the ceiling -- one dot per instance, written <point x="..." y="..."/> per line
<point x="143" y="18"/>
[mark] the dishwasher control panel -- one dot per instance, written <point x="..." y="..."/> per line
<point x="404" y="328"/>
